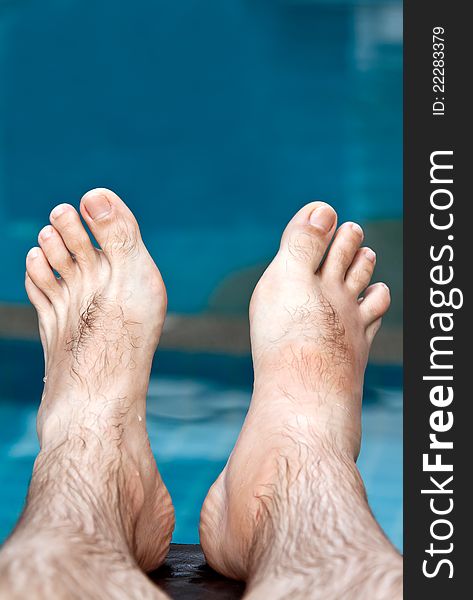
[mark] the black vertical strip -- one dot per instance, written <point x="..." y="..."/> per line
<point x="428" y="128"/>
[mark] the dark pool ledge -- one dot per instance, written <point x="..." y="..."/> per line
<point x="186" y="576"/>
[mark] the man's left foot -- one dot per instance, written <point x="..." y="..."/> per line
<point x="100" y="323"/>
<point x="288" y="514"/>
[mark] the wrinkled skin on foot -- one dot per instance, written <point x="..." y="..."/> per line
<point x="100" y="323"/>
<point x="311" y="332"/>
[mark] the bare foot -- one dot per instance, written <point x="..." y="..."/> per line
<point x="100" y="323"/>
<point x="290" y="495"/>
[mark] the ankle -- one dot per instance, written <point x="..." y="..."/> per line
<point x="81" y="487"/>
<point x="311" y="416"/>
<point x="317" y="508"/>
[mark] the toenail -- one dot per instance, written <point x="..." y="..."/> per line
<point x="370" y="255"/>
<point x="33" y="253"/>
<point x="357" y="229"/>
<point x="57" y="212"/>
<point x="323" y="218"/>
<point x="97" y="206"/>
<point x="47" y="232"/>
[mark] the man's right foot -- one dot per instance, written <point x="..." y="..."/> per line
<point x="100" y="323"/>
<point x="289" y="513"/>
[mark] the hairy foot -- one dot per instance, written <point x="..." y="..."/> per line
<point x="290" y="489"/>
<point x="100" y="323"/>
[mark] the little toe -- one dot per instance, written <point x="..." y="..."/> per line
<point x="112" y="224"/>
<point x="375" y="303"/>
<point x="37" y="298"/>
<point x="66" y="221"/>
<point x="342" y="251"/>
<point x="373" y="329"/>
<point x="40" y="272"/>
<point x="307" y="236"/>
<point x="361" y="270"/>
<point x="56" y="252"/>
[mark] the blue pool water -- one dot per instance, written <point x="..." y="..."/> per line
<point x="215" y="120"/>
<point x="185" y="412"/>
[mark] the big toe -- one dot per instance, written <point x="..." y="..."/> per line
<point x="111" y="222"/>
<point x="307" y="236"/>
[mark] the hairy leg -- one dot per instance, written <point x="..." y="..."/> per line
<point x="315" y="534"/>
<point x="97" y="511"/>
<point x="289" y="513"/>
<point x="75" y="537"/>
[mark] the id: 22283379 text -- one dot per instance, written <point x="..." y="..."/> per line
<point x="438" y="71"/>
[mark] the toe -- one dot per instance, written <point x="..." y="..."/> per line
<point x="373" y="329"/>
<point x="342" y="251"/>
<point x="375" y="303"/>
<point x="361" y="270"/>
<point x="56" y="252"/>
<point x="67" y="223"/>
<point x="306" y="238"/>
<point x="36" y="296"/>
<point x="112" y="223"/>
<point x="40" y="272"/>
